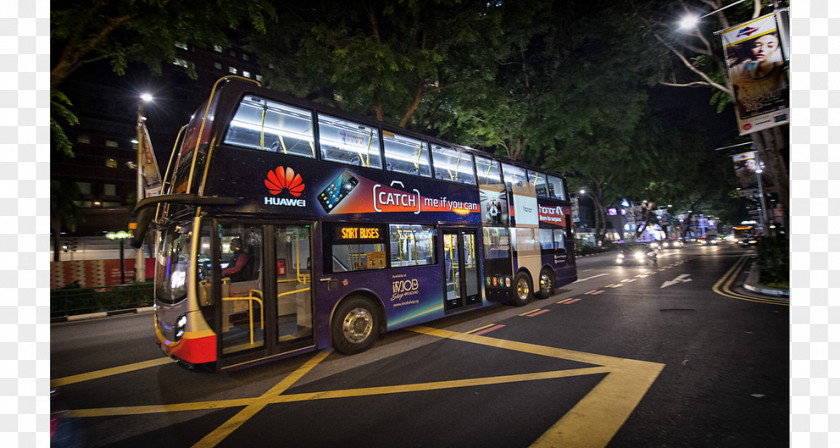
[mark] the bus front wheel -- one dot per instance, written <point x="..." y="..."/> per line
<point x="523" y="292"/>
<point x="355" y="326"/>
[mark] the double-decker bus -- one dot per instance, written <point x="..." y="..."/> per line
<point x="285" y="226"/>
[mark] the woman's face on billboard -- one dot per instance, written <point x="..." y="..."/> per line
<point x="764" y="47"/>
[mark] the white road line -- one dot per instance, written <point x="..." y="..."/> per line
<point x="588" y="278"/>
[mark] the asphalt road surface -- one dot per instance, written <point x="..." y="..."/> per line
<point x="665" y="355"/>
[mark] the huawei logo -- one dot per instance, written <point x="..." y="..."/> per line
<point x="284" y="179"/>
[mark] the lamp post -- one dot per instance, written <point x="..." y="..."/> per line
<point x="762" y="220"/>
<point x="140" y="264"/>
<point x="121" y="235"/>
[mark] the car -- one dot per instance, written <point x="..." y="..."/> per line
<point x="636" y="254"/>
<point x="671" y="243"/>
<point x="749" y="241"/>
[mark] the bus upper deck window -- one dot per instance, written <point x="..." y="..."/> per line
<point x="348" y="142"/>
<point x="555" y="188"/>
<point x="406" y="155"/>
<point x="271" y="126"/>
<point x="514" y="176"/>
<point x="538" y="180"/>
<point x="488" y="171"/>
<point x="452" y="165"/>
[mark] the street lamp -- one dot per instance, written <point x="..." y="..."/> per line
<point x="690" y="21"/>
<point x="140" y="264"/>
<point x="121" y="235"/>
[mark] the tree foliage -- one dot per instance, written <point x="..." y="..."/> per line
<point x="143" y="31"/>
<point x="375" y="57"/>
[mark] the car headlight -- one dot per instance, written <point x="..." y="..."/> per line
<point x="639" y="255"/>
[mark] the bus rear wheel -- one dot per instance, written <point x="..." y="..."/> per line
<point x="355" y="326"/>
<point x="523" y="292"/>
<point x="546" y="284"/>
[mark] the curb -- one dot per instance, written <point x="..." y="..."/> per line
<point x="79" y="317"/>
<point x="751" y="284"/>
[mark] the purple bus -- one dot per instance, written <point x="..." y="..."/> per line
<point x="285" y="226"/>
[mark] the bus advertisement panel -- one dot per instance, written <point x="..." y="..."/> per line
<point x="335" y="191"/>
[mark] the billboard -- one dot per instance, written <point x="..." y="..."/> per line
<point x="745" y="166"/>
<point x="756" y="70"/>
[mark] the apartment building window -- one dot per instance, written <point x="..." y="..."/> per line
<point x="246" y="73"/>
<point x="112" y="144"/>
<point x="181" y="62"/>
<point x="217" y="48"/>
<point x="181" y="45"/>
<point x="83" y="138"/>
<point x="259" y="78"/>
<point x="84" y="187"/>
<point x="109" y="189"/>
<point x="218" y="65"/>
<point x="245" y="57"/>
<point x="111" y="163"/>
<point x="233" y="70"/>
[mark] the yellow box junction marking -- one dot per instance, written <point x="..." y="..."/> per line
<point x="108" y="372"/>
<point x="592" y="422"/>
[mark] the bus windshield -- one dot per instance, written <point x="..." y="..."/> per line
<point x="173" y="260"/>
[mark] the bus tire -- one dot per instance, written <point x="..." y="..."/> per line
<point x="546" y="284"/>
<point x="523" y="290"/>
<point x="355" y="326"/>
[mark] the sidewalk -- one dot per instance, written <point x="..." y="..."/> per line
<point x="751" y="283"/>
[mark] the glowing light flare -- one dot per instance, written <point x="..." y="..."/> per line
<point x="689" y="22"/>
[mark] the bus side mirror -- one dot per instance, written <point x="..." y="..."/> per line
<point x="144" y="218"/>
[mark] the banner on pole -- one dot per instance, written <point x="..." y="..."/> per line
<point x="151" y="173"/>
<point x="756" y="70"/>
<point x="745" y="166"/>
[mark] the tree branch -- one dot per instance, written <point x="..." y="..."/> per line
<point x="694" y="69"/>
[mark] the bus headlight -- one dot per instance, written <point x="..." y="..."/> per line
<point x="180" y="327"/>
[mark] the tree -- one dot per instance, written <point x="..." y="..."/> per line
<point x="695" y="58"/>
<point x="378" y="58"/>
<point x="142" y="31"/>
<point x="123" y="32"/>
<point x="64" y="214"/>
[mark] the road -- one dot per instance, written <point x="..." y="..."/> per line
<point x="668" y="355"/>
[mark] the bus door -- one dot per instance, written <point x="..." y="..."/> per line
<point x="232" y="283"/>
<point x="462" y="287"/>
<point x="293" y="271"/>
<point x="263" y="300"/>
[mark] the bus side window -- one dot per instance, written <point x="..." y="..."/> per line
<point x="547" y="239"/>
<point x="452" y="165"/>
<point x="555" y="188"/>
<point x="406" y="155"/>
<point x="348" y="142"/>
<point x="412" y="245"/>
<point x="538" y="180"/>
<point x="559" y="239"/>
<point x="271" y="126"/>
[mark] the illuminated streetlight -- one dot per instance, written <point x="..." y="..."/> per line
<point x="690" y="21"/>
<point x="121" y="236"/>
